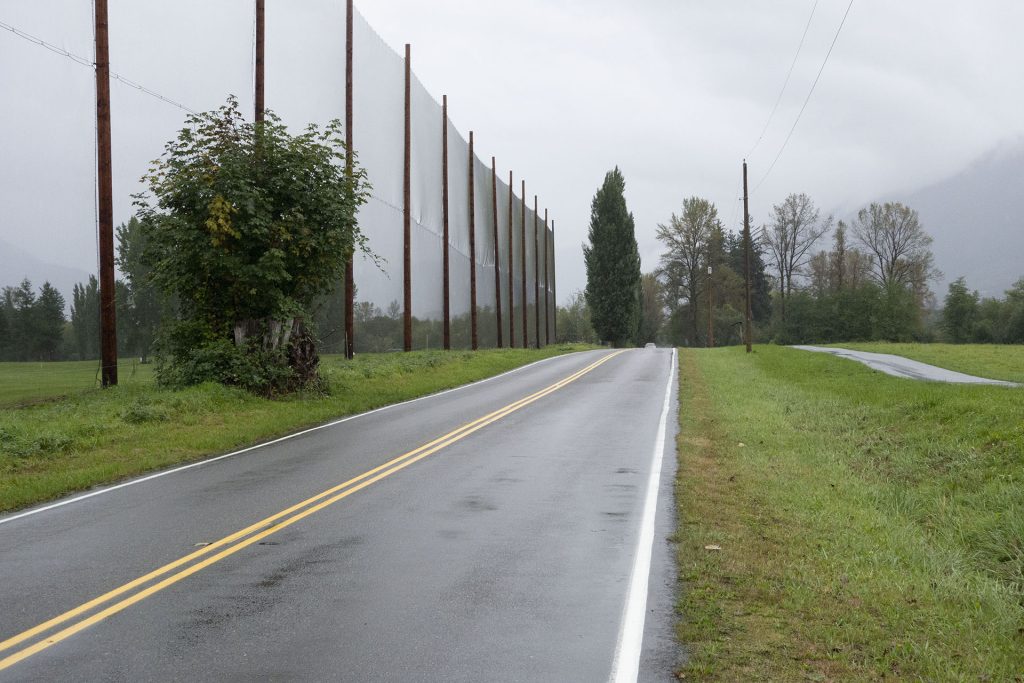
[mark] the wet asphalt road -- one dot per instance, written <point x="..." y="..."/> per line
<point x="506" y="556"/>
<point x="898" y="366"/>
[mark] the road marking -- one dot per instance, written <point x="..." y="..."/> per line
<point x="626" y="664"/>
<point x="270" y="525"/>
<point x="207" y="461"/>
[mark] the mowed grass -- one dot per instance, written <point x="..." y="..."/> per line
<point x="870" y="527"/>
<point x="51" y="448"/>
<point x="29" y="382"/>
<point x="993" y="361"/>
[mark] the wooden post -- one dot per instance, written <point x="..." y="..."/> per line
<point x="536" y="274"/>
<point x="260" y="33"/>
<point x="497" y="250"/>
<point x="748" y="331"/>
<point x="711" y="309"/>
<point x="522" y="250"/>
<point x="105" y="191"/>
<point x="511" y="269"/>
<point x="547" y="283"/>
<point x="350" y="282"/>
<point x="473" y="340"/>
<point x="446" y="325"/>
<point x="407" y="208"/>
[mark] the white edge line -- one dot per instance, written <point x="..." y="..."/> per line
<point x="626" y="664"/>
<point x="207" y="461"/>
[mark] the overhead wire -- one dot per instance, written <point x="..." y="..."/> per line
<point x="91" y="64"/>
<point x="807" y="99"/>
<point x="785" y="83"/>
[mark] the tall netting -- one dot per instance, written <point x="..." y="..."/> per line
<point x="518" y="282"/>
<point x="458" y="249"/>
<point x="504" y="249"/>
<point x="166" y="65"/>
<point x="487" y="322"/>
<point x="378" y="130"/>
<point x="48" y="204"/>
<point x="550" y="284"/>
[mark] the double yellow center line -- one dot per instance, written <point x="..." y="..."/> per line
<point x="229" y="545"/>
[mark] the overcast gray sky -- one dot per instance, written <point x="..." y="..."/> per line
<point x="674" y="92"/>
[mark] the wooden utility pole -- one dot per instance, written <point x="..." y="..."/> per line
<point x="105" y="191"/>
<point x="260" y="32"/>
<point x="407" y="208"/>
<point x="511" y="269"/>
<point x="350" y="281"/>
<point x="711" y="309"/>
<point x="522" y="251"/>
<point x="536" y="274"/>
<point x="473" y="340"/>
<point x="497" y="251"/>
<point x="446" y="325"/>
<point x="748" y="330"/>
<point x="547" y="283"/>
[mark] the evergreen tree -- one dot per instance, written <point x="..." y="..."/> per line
<point x="960" y="312"/>
<point x="5" y="333"/>
<point x="613" y="264"/>
<point x="22" y="321"/>
<point x="85" y="318"/>
<point x="48" y="313"/>
<point x="139" y="303"/>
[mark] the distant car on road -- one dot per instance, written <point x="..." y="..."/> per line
<point x="650" y="345"/>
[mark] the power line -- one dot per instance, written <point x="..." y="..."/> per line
<point x="786" y="82"/>
<point x="91" y="64"/>
<point x="806" y="100"/>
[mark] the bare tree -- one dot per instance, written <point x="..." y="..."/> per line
<point x="796" y="225"/>
<point x="900" y="248"/>
<point x="683" y="265"/>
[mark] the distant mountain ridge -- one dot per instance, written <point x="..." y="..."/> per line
<point x="17" y="264"/>
<point x="977" y="222"/>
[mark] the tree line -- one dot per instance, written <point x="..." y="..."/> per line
<point x="35" y="326"/>
<point x="872" y="282"/>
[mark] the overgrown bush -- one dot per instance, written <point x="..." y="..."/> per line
<point x="244" y="227"/>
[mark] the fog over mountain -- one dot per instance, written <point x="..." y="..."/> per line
<point x="976" y="222"/>
<point x="17" y="264"/>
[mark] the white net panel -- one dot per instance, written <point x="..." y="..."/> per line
<point x="378" y="130"/>
<point x="504" y="247"/>
<point x="487" y="329"/>
<point x="458" y="230"/>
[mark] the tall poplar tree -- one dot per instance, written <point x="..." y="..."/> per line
<point x="613" y="264"/>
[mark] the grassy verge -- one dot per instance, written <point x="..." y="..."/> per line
<point x="993" y="361"/>
<point x="50" y="449"/>
<point x="29" y="382"/>
<point x="870" y="527"/>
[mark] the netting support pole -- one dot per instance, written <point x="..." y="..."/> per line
<point x="497" y="251"/>
<point x="522" y="250"/>
<point x="350" y="283"/>
<point x="511" y="269"/>
<point x="473" y="339"/>
<point x="105" y="192"/>
<point x="547" y="283"/>
<point x="748" y="328"/>
<point x="260" y="33"/>
<point x="407" y="208"/>
<point x="446" y="235"/>
<point x="536" y="274"/>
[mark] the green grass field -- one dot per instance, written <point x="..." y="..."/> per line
<point x="869" y="527"/>
<point x="30" y="382"/>
<point x="994" y="361"/>
<point x="89" y="437"/>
